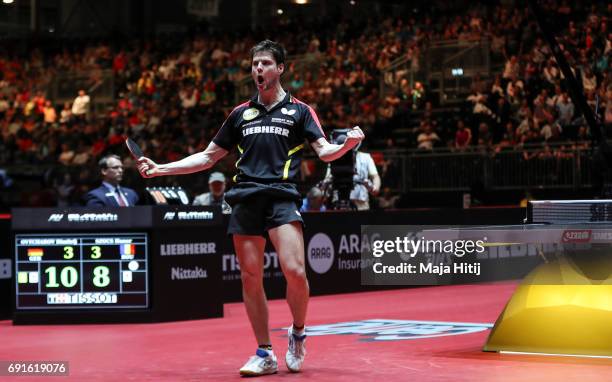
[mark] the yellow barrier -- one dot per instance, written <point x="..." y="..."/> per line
<point x="562" y="307"/>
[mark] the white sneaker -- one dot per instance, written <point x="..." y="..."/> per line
<point x="296" y="351"/>
<point x="262" y="363"/>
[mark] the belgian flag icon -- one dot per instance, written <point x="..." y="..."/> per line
<point x="128" y="249"/>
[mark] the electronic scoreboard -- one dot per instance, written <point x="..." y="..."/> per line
<point x="109" y="265"/>
<point x="72" y="271"/>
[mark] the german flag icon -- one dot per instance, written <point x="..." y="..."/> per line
<point x="35" y="252"/>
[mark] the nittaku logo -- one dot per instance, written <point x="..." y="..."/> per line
<point x="84" y="218"/>
<point x="55" y="218"/>
<point x="320" y="253"/>
<point x="188" y="274"/>
<point x="396" y="330"/>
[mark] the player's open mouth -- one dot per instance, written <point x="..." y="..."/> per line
<point x="260" y="80"/>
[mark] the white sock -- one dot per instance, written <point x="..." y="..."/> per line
<point x="298" y="332"/>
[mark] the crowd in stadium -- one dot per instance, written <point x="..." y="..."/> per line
<point x="172" y="94"/>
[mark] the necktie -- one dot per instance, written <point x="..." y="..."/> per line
<point x="120" y="199"/>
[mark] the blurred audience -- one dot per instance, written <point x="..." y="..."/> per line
<point x="172" y="94"/>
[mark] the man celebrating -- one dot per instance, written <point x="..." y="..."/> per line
<point x="268" y="131"/>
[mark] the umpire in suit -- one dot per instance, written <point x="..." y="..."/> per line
<point x="110" y="193"/>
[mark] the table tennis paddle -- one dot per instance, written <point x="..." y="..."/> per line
<point x="135" y="150"/>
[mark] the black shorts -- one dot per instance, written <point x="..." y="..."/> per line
<point x="258" y="213"/>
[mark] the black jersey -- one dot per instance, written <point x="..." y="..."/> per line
<point x="270" y="142"/>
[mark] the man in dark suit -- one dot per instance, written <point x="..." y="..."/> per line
<point x="110" y="194"/>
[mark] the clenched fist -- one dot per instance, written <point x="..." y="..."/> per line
<point x="353" y="137"/>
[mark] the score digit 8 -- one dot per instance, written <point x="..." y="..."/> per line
<point x="101" y="278"/>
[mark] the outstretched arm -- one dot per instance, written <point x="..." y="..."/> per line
<point x="197" y="162"/>
<point x="329" y="152"/>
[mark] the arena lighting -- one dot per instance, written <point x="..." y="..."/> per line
<point x="352" y="2"/>
<point x="279" y="11"/>
<point x="301" y="2"/>
<point x="7" y="1"/>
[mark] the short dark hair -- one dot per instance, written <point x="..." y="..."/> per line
<point x="103" y="163"/>
<point x="277" y="50"/>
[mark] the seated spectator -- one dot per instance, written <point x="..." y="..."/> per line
<point x="551" y="129"/>
<point x="511" y="69"/>
<point x="565" y="108"/>
<point x="508" y="140"/>
<point x="65" y="191"/>
<point x="540" y="107"/>
<point x="50" y="115"/>
<point x="428" y="138"/>
<point x="484" y="136"/>
<point x="82" y="155"/>
<point x="314" y="201"/>
<point x="589" y="81"/>
<point x="66" y="155"/>
<point x="66" y="113"/>
<point x="583" y="139"/>
<point x="216" y="194"/>
<point x="296" y="83"/>
<point x="463" y="136"/>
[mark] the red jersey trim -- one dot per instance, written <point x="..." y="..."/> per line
<point x="312" y="113"/>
